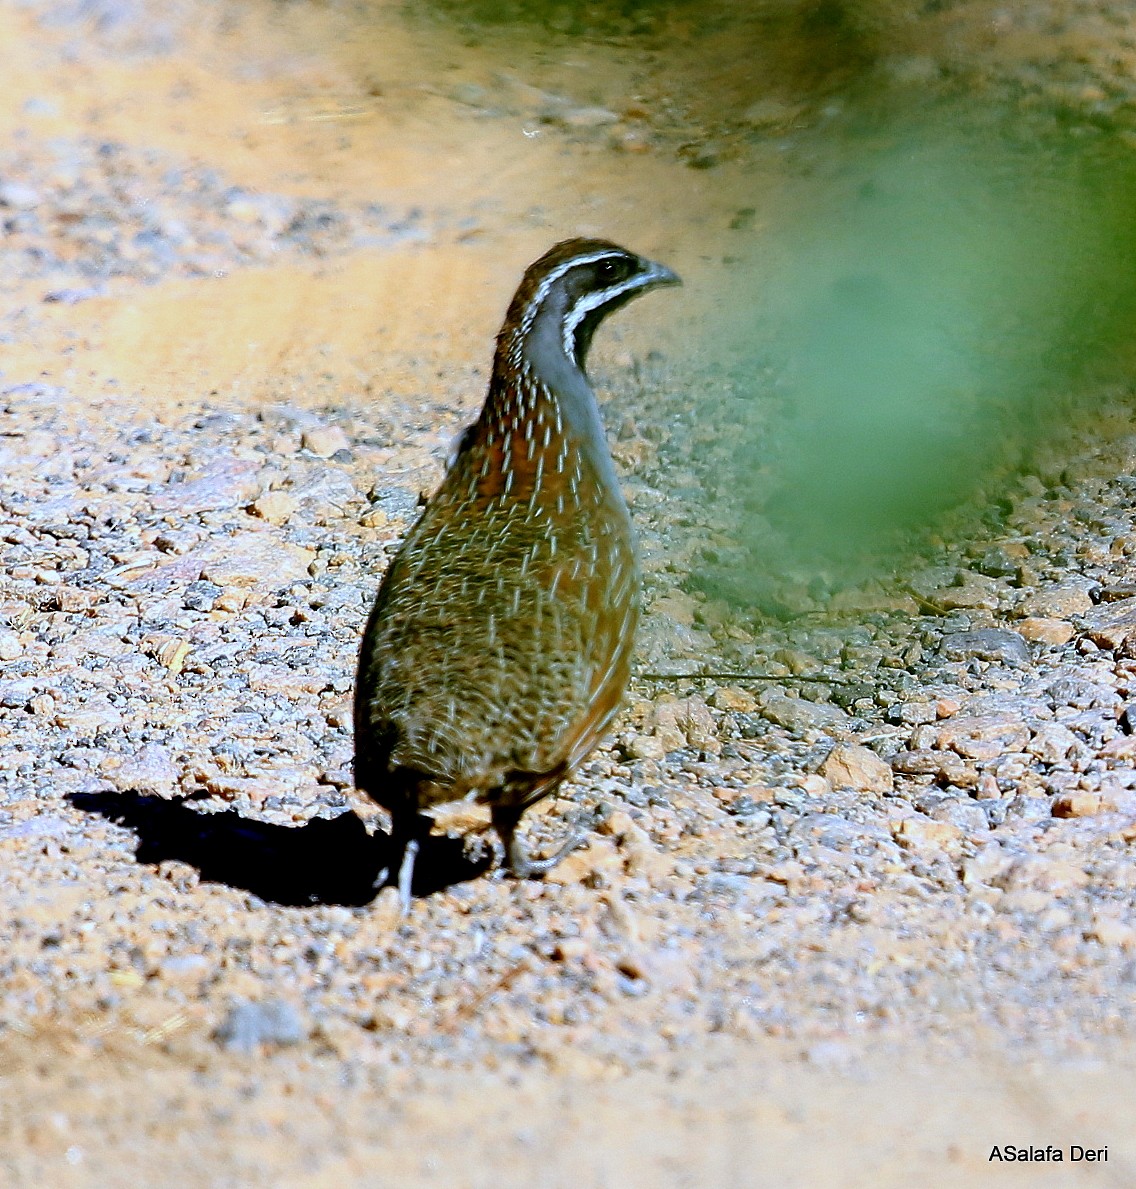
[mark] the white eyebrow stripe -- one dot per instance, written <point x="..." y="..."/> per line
<point x="554" y="276"/>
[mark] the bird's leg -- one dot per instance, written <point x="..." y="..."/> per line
<point x="408" y="829"/>
<point x="517" y="859"/>
<point x="406" y="874"/>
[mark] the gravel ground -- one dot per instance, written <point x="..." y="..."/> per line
<point x="876" y="887"/>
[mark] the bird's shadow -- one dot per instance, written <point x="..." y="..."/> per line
<point x="321" y="862"/>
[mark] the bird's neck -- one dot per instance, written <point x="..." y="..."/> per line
<point x="532" y="359"/>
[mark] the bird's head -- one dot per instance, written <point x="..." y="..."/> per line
<point x="568" y="292"/>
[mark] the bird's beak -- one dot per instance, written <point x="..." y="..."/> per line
<point x="658" y="274"/>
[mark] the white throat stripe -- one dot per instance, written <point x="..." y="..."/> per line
<point x="592" y="301"/>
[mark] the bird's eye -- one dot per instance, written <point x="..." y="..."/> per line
<point x="607" y="270"/>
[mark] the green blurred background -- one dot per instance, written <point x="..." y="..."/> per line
<point x="954" y="289"/>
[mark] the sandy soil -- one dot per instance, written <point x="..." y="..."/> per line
<point x="768" y="968"/>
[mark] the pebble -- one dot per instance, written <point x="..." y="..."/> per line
<point x="1051" y="742"/>
<point x="918" y="834"/>
<point x="945" y="766"/>
<point x="1112" y="931"/>
<point x="851" y="766"/>
<point x="982" y="736"/>
<point x="771" y="113"/>
<point x="18" y="196"/>
<point x="800" y="716"/>
<point x="1047" y="631"/>
<point x="731" y="698"/>
<point x="224" y="483"/>
<point x="276" y="507"/>
<point x="150" y="770"/>
<point x="1076" y="804"/>
<point x="989" y="644"/>
<point x="1062" y="601"/>
<point x="1111" y="624"/>
<point x="324" y="440"/>
<point x="255" y="559"/>
<point x="587" y="117"/>
<point x="686" y="722"/>
<point x="1046" y="874"/>
<point x="252" y="1025"/>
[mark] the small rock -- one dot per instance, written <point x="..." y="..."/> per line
<point x="967" y="815"/>
<point x="1077" y="803"/>
<point x="151" y="770"/>
<point x="253" y="559"/>
<point x="914" y="713"/>
<point x="341" y="714"/>
<point x="851" y="766"/>
<point x="738" y="700"/>
<point x="17" y="694"/>
<point x="988" y="644"/>
<point x="588" y="117"/>
<point x="324" y="440"/>
<point x="1026" y="808"/>
<point x="1113" y="592"/>
<point x="912" y="70"/>
<point x="983" y="736"/>
<point x="183" y="968"/>
<point x="988" y="789"/>
<point x="284" y="682"/>
<point x="10" y="646"/>
<point x="1059" y="602"/>
<point x="998" y="562"/>
<point x="686" y="722"/>
<point x="920" y="834"/>
<point x="678" y="605"/>
<point x="1047" y="874"/>
<point x="82" y="645"/>
<point x="1110" y="625"/>
<point x="1051" y="743"/>
<point x="831" y="1055"/>
<point x="639" y="746"/>
<point x="18" y="196"/>
<point x="771" y="113"/>
<point x="1111" y="930"/>
<point x="799" y="663"/>
<point x="275" y="506"/>
<point x="88" y="719"/>
<point x="945" y="766"/>
<point x="1047" y="631"/>
<point x="816" y="785"/>
<point x="201" y="596"/>
<point x="1025" y="900"/>
<point x="598" y="864"/>
<point x="251" y="1024"/>
<point x="986" y="867"/>
<point x="969" y="592"/>
<point x="795" y="714"/>
<point x="172" y="654"/>
<point x="225" y="483"/>
<point x="666" y="646"/>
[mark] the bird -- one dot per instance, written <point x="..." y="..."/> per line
<point x="499" y="643"/>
